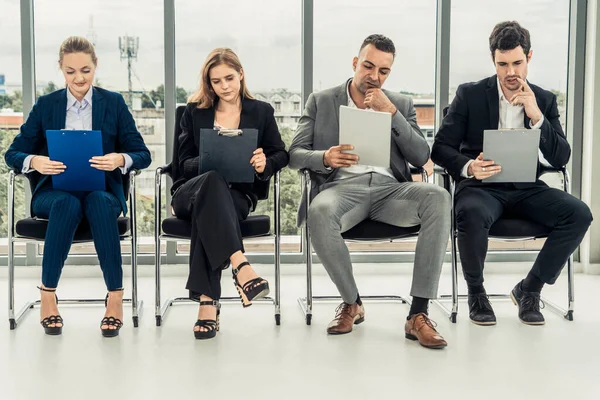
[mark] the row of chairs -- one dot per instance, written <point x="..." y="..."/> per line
<point x="506" y="228"/>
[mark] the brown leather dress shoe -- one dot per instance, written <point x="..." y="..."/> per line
<point x="346" y="315"/>
<point x="420" y="327"/>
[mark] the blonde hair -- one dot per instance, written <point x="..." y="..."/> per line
<point x="77" y="44"/>
<point x="205" y="95"/>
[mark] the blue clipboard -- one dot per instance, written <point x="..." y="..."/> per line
<point x="75" y="149"/>
<point x="228" y="151"/>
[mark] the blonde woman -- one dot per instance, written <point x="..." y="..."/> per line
<point x="213" y="205"/>
<point x="80" y="106"/>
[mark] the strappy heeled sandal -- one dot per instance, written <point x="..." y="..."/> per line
<point x="110" y="321"/>
<point x="211" y="325"/>
<point x="53" y="319"/>
<point x="253" y="289"/>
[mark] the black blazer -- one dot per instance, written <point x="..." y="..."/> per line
<point x="475" y="109"/>
<point x="255" y="114"/>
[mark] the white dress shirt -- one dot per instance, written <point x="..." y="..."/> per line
<point x="354" y="170"/>
<point x="510" y="117"/>
<point x="79" y="117"/>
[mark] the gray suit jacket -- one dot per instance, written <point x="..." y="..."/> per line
<point x="318" y="130"/>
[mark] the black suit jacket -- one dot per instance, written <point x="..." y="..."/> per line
<point x="255" y="114"/>
<point x="475" y="109"/>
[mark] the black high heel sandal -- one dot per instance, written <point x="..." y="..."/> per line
<point x="110" y="321"/>
<point x="53" y="319"/>
<point x="253" y="289"/>
<point x="211" y="325"/>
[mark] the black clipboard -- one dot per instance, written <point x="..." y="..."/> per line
<point x="228" y="151"/>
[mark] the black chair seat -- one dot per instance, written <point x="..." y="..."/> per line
<point x="515" y="228"/>
<point x="374" y="230"/>
<point x="34" y="228"/>
<point x="254" y="225"/>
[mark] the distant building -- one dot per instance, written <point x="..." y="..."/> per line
<point x="425" y="109"/>
<point x="10" y="120"/>
<point x="287" y="106"/>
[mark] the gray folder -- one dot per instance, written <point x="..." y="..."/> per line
<point x="516" y="151"/>
<point x="228" y="151"/>
<point x="370" y="132"/>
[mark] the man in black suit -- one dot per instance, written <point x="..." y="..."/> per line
<point x="507" y="100"/>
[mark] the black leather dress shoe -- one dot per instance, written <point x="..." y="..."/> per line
<point x="529" y="305"/>
<point x="480" y="310"/>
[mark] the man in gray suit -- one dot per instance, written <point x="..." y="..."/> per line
<point x="344" y="193"/>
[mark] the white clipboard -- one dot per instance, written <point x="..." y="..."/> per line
<point x="369" y="132"/>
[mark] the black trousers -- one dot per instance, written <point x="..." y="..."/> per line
<point x="478" y="207"/>
<point x="215" y="211"/>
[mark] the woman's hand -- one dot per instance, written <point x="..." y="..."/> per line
<point x="259" y="161"/>
<point x="108" y="162"/>
<point x="45" y="166"/>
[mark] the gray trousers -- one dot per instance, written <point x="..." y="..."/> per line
<point x="342" y="204"/>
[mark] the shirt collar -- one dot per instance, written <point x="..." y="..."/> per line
<point x="87" y="99"/>
<point x="500" y="93"/>
<point x="350" y="101"/>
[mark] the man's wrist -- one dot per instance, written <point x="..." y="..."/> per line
<point x="123" y="162"/>
<point x="325" y="159"/>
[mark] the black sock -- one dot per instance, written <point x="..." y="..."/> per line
<point x="532" y="283"/>
<point x="419" y="305"/>
<point x="358" y="300"/>
<point x="476" y="289"/>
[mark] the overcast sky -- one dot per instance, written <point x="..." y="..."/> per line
<point x="266" y="34"/>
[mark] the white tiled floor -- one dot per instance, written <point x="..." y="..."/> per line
<point x="251" y="358"/>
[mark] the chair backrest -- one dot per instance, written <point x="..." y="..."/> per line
<point x="261" y="188"/>
<point x="173" y="167"/>
<point x="445" y="111"/>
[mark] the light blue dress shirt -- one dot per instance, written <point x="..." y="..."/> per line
<point x="79" y="117"/>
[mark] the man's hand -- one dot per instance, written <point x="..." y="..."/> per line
<point x="259" y="160"/>
<point x="526" y="98"/>
<point x="334" y="157"/>
<point x="108" y="162"/>
<point x="45" y="166"/>
<point x="481" y="169"/>
<point x="376" y="100"/>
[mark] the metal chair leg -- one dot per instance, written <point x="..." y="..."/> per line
<point x="136" y="306"/>
<point x="571" y="284"/>
<point x="277" y="253"/>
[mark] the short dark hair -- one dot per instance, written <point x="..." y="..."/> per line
<point x="508" y="35"/>
<point x="381" y="43"/>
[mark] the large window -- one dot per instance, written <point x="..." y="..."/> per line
<point x="470" y="59"/>
<point x="11" y="110"/>
<point x="131" y="61"/>
<point x="269" y="47"/>
<point x="106" y="23"/>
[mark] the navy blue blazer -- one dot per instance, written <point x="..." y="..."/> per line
<point x="110" y="115"/>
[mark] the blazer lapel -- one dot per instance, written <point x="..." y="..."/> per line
<point x="247" y="119"/>
<point x="98" y="110"/>
<point x="340" y="99"/>
<point x="59" y="119"/>
<point x="204" y="118"/>
<point x="493" y="102"/>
